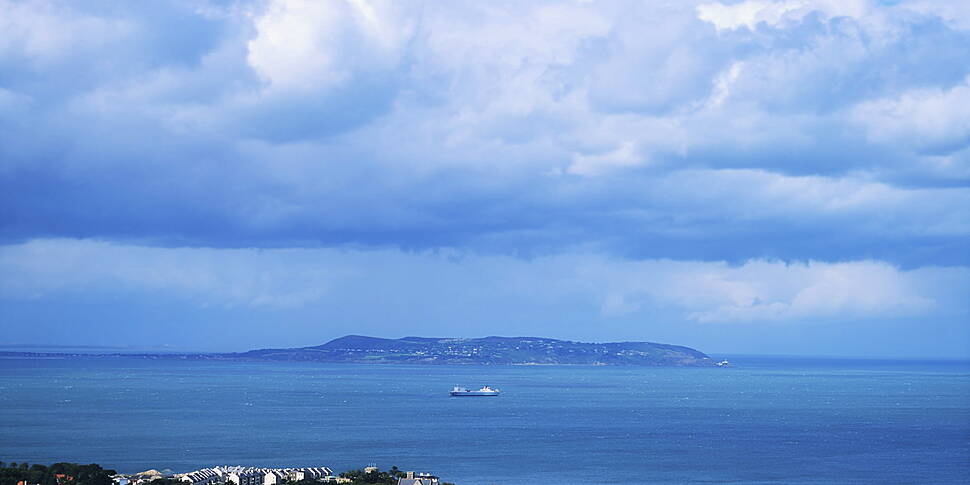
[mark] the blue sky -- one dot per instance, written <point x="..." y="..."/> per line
<point x="781" y="177"/>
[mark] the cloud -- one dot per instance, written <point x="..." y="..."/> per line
<point x="624" y="155"/>
<point x="771" y="292"/>
<point x="755" y="292"/>
<point x="310" y="46"/>
<point x="929" y="120"/>
<point x="206" y="277"/>
<point x="842" y="291"/>
<point x="102" y="293"/>
<point x="661" y="170"/>
<point x="43" y="34"/>
<point x="800" y="131"/>
<point x="774" y="13"/>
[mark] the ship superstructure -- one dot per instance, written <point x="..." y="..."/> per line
<point x="458" y="391"/>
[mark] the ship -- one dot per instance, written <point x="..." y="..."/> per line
<point x="484" y="391"/>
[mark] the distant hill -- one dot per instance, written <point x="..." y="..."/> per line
<point x="487" y="350"/>
<point x="425" y="350"/>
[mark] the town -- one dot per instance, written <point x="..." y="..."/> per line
<point x="93" y="474"/>
<point x="247" y="475"/>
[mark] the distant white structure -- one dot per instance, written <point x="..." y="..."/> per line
<point x="410" y="478"/>
<point x="313" y="472"/>
<point x="205" y="476"/>
<point x="240" y="475"/>
<point x="274" y="477"/>
<point x="140" y="478"/>
<point x="244" y="476"/>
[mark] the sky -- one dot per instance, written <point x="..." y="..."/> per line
<point x="746" y="177"/>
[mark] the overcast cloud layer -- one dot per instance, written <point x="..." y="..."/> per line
<point x="790" y="171"/>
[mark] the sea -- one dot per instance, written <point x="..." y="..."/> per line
<point x="762" y="421"/>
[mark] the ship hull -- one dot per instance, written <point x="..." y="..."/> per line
<point x="473" y="394"/>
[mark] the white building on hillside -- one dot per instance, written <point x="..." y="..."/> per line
<point x="274" y="477"/>
<point x="245" y="476"/>
<point x="239" y="475"/>
<point x="418" y="479"/>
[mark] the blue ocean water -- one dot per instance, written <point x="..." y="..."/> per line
<point x="792" y="421"/>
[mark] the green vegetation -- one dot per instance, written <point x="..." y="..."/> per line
<point x="373" y="478"/>
<point x="359" y="477"/>
<point x="56" y="474"/>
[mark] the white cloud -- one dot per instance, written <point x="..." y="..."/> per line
<point x="757" y="291"/>
<point x="624" y="155"/>
<point x="13" y="103"/>
<point x="931" y="119"/>
<point x="210" y="277"/>
<point x="775" y="13"/>
<point x="824" y="291"/>
<point x="46" y="33"/>
<point x="306" y="45"/>
<point x="956" y="14"/>
<point x="766" y="291"/>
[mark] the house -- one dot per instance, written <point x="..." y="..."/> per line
<point x="313" y="472"/>
<point x="274" y="477"/>
<point x="245" y="477"/>
<point x="205" y="476"/>
<point x="410" y="478"/>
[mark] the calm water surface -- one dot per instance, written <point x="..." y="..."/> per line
<point x="763" y="421"/>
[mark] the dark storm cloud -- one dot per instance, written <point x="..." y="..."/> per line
<point x="680" y="135"/>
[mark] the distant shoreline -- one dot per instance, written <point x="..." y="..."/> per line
<point x="214" y="357"/>
<point x="436" y="351"/>
<point x="235" y="357"/>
